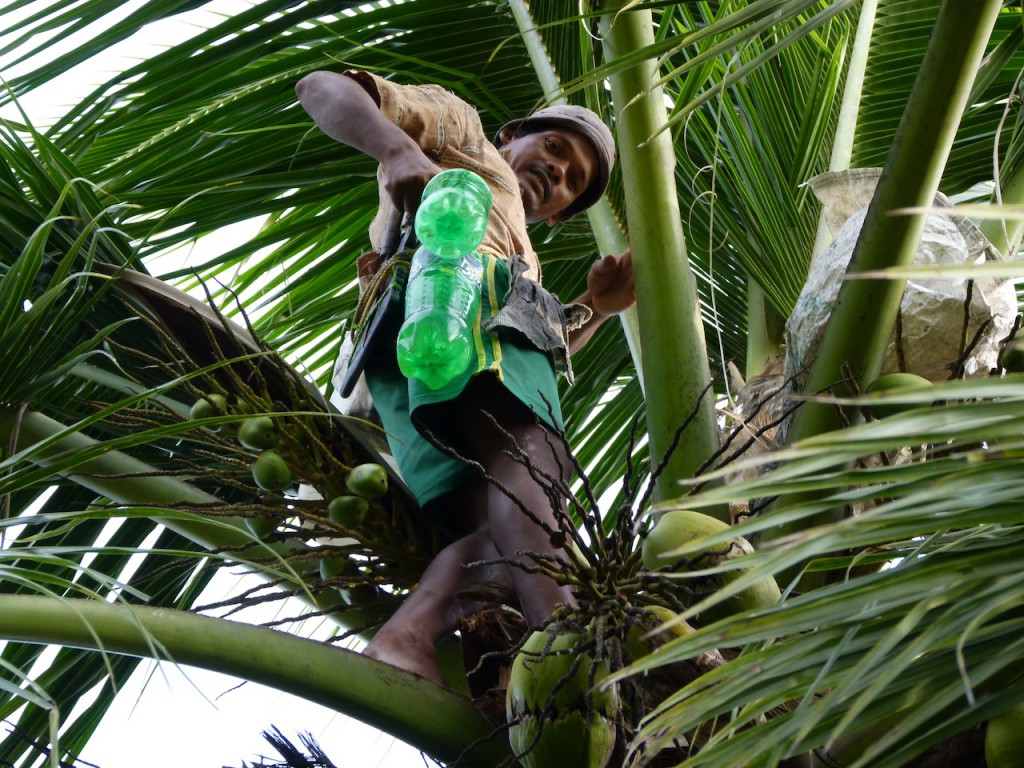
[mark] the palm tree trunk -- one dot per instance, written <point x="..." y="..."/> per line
<point x="675" y="362"/>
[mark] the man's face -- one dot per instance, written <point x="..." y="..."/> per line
<point x="554" y="166"/>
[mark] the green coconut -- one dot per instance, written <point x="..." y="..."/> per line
<point x="338" y="565"/>
<point x="678" y="528"/>
<point x="258" y="433"/>
<point x="260" y="527"/>
<point x="645" y="634"/>
<point x="1011" y="357"/>
<point x="208" y="406"/>
<point x="893" y="382"/>
<point x="569" y="740"/>
<point x="271" y="472"/>
<point x="546" y="702"/>
<point x="1004" y="739"/>
<point x="538" y="668"/>
<point x="348" y="511"/>
<point x="367" y="480"/>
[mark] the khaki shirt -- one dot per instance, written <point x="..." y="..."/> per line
<point x="450" y="133"/>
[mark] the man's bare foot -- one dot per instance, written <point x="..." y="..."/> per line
<point x="408" y="650"/>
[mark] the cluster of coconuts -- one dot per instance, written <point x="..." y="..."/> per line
<point x="541" y="679"/>
<point x="271" y="472"/>
<point x="549" y="692"/>
<point x="549" y="697"/>
<point x="559" y="712"/>
<point x="678" y="528"/>
<point x="365" y="482"/>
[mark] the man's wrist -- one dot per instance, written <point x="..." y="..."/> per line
<point x="596" y="313"/>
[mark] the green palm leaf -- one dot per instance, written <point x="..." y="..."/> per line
<point x="206" y="135"/>
<point x="891" y="662"/>
<point x="62" y="358"/>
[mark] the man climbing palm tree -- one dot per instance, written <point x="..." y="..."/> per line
<point x="546" y="167"/>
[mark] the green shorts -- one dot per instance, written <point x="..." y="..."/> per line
<point x="404" y="404"/>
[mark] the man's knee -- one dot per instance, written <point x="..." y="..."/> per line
<point x="495" y="423"/>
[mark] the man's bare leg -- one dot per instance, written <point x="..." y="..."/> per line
<point x="495" y="426"/>
<point x="432" y="610"/>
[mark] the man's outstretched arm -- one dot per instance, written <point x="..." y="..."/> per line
<point x="610" y="291"/>
<point x="344" y="110"/>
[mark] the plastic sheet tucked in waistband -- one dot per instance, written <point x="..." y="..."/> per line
<point x="537" y="314"/>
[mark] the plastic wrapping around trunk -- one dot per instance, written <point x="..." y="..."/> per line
<point x="929" y="336"/>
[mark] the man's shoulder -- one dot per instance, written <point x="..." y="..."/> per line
<point x="451" y="102"/>
<point x="431" y="92"/>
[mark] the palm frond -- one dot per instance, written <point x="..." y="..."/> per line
<point x="897" y="49"/>
<point x="897" y="659"/>
<point x="81" y="345"/>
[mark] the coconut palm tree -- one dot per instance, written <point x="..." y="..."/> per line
<point x="103" y="368"/>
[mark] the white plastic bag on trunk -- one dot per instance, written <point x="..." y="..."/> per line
<point x="928" y="337"/>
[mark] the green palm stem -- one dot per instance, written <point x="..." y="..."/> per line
<point x="862" y="320"/>
<point x="675" y="360"/>
<point x="761" y="346"/>
<point x="442" y="723"/>
<point x="604" y="223"/>
<point x="849" y="110"/>
<point x="1005" y="235"/>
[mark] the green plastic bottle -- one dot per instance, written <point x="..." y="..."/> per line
<point x="435" y="343"/>
<point x="452" y="217"/>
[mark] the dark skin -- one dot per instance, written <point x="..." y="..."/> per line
<point x="553" y="167"/>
